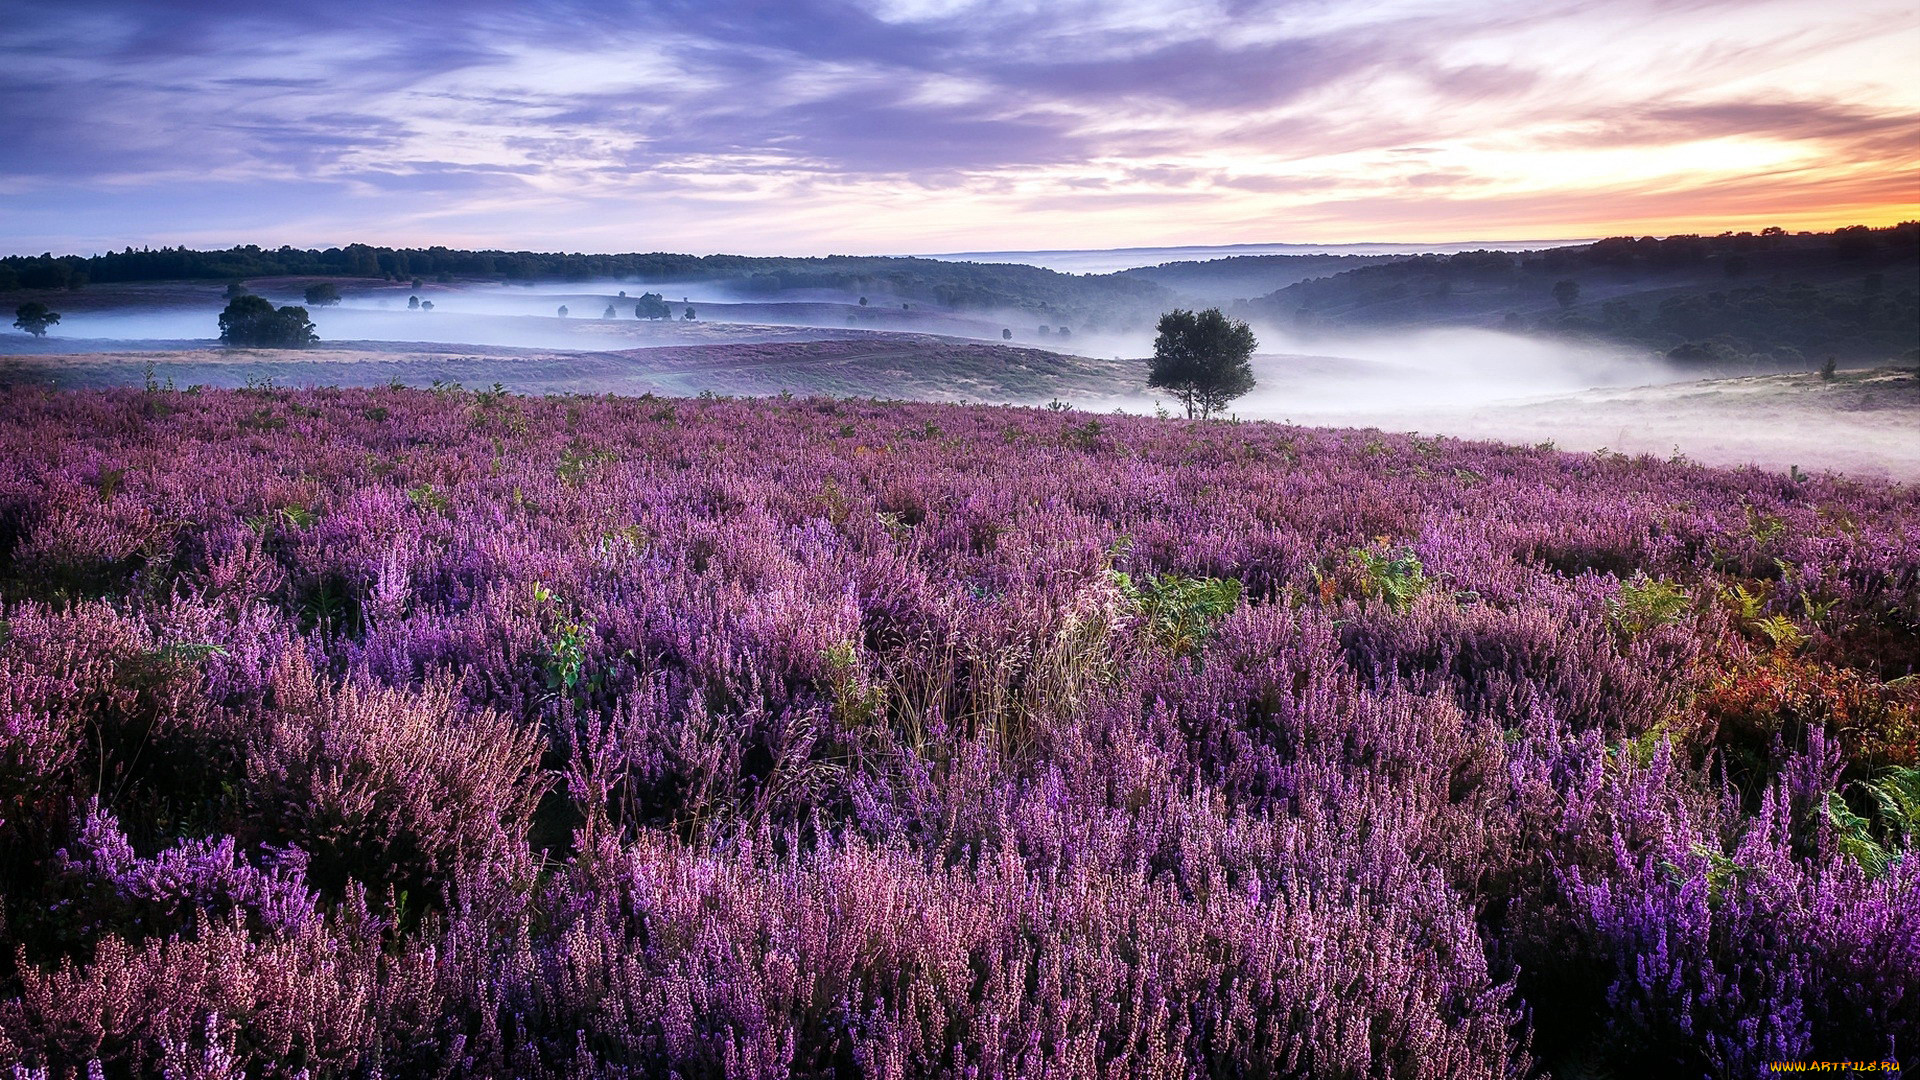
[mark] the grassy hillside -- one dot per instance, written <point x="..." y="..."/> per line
<point x="1787" y="299"/>
<point x="1238" y="277"/>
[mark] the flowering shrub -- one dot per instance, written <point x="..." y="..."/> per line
<point x="424" y="733"/>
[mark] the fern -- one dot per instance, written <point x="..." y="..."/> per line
<point x="1894" y="799"/>
<point x="1645" y="603"/>
<point x="1396" y="578"/>
<point x="1180" y="612"/>
<point x="1780" y="631"/>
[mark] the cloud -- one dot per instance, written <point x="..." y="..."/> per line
<point x="759" y="122"/>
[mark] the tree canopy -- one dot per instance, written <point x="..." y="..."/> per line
<point x="325" y="294"/>
<point x="652" y="306"/>
<point x="1203" y="359"/>
<point x="251" y="320"/>
<point x="34" y="317"/>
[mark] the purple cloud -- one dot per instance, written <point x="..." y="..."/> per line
<point x="320" y="117"/>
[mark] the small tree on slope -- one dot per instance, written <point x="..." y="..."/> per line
<point x="1203" y="359"/>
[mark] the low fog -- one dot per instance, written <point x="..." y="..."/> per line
<point x="1341" y="379"/>
<point x="1310" y="379"/>
<point x="1452" y="381"/>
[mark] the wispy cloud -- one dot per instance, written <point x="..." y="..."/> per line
<point x="897" y="125"/>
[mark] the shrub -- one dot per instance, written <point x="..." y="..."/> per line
<point x="251" y="320"/>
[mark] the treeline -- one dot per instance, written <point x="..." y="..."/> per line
<point x="949" y="284"/>
<point x="1770" y="296"/>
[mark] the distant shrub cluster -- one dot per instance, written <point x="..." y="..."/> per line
<point x="357" y="733"/>
<point x="252" y="320"/>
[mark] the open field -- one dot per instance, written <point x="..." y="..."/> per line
<point x="862" y="365"/>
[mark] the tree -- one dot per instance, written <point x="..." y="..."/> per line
<point x="609" y="313"/>
<point x="863" y="301"/>
<point x="251" y="320"/>
<point x="652" y="306"/>
<point x="563" y="311"/>
<point x="413" y="303"/>
<point x="688" y="315"/>
<point x="1203" y="358"/>
<point x="426" y="305"/>
<point x="325" y="294"/>
<point x="1566" y="292"/>
<point x="1006" y="334"/>
<point x="34" y="318"/>
<point x="236" y="288"/>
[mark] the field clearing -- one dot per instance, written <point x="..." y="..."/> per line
<point x="864" y="365"/>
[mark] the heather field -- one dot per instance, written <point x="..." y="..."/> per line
<point x="394" y="732"/>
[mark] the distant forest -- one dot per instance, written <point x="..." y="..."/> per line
<point x="949" y="284"/>
<point x="1767" y="297"/>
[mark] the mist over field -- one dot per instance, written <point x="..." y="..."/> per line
<point x="1459" y="380"/>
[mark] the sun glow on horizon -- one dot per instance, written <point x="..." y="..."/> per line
<point x="931" y="126"/>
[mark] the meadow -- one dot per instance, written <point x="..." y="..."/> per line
<point x="400" y="732"/>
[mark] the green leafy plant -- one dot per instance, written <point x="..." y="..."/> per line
<point x="576" y="464"/>
<point x="856" y="701"/>
<point x="429" y="498"/>
<point x="187" y="652"/>
<point x="1765" y="528"/>
<point x="1083" y="436"/>
<point x="1894" y="799"/>
<point x="1780" y="632"/>
<point x="1722" y="871"/>
<point x="564" y="663"/>
<point x="1394" y="577"/>
<point x="1746" y="603"/>
<point x="1179" y="612"/>
<point x="1645" y="603"/>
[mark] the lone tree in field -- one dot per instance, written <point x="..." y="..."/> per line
<point x="34" y="318"/>
<point x="325" y="294"/>
<point x="1203" y="358"/>
<point x="250" y="320"/>
<point x="652" y="306"/>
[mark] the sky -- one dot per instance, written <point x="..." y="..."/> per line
<point x="900" y="126"/>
